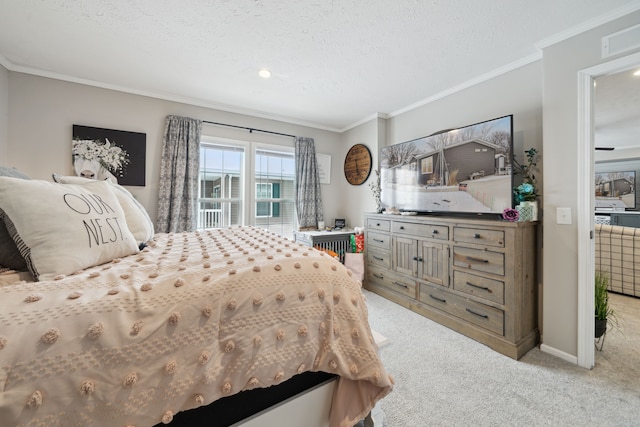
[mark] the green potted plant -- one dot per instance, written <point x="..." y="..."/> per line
<point x="602" y="308"/>
<point x="525" y="195"/>
<point x="603" y="311"/>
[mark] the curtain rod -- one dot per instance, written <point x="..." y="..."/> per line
<point x="251" y="130"/>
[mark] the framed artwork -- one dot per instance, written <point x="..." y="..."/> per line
<point x="99" y="153"/>
<point x="324" y="168"/>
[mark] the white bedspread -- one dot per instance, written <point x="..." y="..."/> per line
<point x="190" y="319"/>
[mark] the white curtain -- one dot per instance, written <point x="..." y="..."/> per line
<point x="307" y="184"/>
<point x="178" y="194"/>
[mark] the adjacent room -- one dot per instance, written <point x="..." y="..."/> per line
<point x="319" y="213"/>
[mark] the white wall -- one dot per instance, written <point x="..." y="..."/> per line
<point x="42" y="111"/>
<point x="4" y="114"/>
<point x="518" y="92"/>
<point x="358" y="199"/>
<point x="562" y="62"/>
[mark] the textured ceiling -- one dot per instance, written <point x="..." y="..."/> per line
<point x="334" y="62"/>
<point x="617" y="110"/>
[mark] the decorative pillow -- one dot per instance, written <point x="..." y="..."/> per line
<point x="12" y="172"/>
<point x="60" y="229"/>
<point x="9" y="255"/>
<point x="138" y="219"/>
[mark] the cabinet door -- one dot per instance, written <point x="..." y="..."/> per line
<point x="405" y="255"/>
<point x="434" y="262"/>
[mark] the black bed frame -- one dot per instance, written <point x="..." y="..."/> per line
<point x="233" y="409"/>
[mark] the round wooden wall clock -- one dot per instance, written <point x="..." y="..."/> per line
<point x="357" y="164"/>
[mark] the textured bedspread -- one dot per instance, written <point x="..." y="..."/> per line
<point x="192" y="318"/>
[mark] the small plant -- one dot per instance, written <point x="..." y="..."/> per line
<point x="604" y="314"/>
<point x="375" y="189"/>
<point x="602" y="309"/>
<point x="526" y="191"/>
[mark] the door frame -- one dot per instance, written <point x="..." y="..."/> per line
<point x="586" y="201"/>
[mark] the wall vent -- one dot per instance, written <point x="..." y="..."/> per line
<point x="622" y="41"/>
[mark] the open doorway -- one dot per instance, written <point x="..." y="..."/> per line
<point x="586" y="200"/>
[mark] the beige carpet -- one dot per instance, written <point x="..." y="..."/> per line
<point x="620" y="353"/>
<point x="446" y="379"/>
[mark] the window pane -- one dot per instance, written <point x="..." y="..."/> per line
<point x="220" y="203"/>
<point x="274" y="191"/>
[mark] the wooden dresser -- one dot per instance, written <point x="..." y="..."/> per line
<point x="472" y="275"/>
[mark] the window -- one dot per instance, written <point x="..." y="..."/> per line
<point x="274" y="175"/>
<point x="221" y="182"/>
<point x="263" y="196"/>
<point x="264" y="191"/>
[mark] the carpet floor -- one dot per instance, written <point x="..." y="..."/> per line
<point x="443" y="378"/>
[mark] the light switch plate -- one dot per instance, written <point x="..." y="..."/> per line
<point x="563" y="215"/>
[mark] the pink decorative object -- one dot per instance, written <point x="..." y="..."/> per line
<point x="510" y="214"/>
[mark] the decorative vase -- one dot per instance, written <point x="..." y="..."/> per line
<point x="601" y="327"/>
<point x="528" y="211"/>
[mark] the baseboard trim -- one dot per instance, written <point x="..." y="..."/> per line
<point x="558" y="353"/>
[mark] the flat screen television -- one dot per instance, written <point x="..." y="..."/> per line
<point x="463" y="170"/>
<point x="615" y="190"/>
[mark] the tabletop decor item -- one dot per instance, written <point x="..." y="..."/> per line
<point x="510" y="214"/>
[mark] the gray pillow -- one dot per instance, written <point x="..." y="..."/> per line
<point x="9" y="255"/>
<point x="12" y="172"/>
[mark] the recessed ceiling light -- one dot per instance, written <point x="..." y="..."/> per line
<point x="264" y="73"/>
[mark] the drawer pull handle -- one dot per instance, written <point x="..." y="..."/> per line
<point x="378" y="258"/>
<point x="402" y="227"/>
<point x="378" y="224"/>
<point x="437" y="299"/>
<point x="378" y="240"/>
<point x="484" y="288"/>
<point x="470" y="258"/>
<point x="435" y="232"/>
<point x="484" y="316"/>
<point x="378" y="276"/>
<point x="402" y="285"/>
<point x="416" y="258"/>
<point x="476" y="236"/>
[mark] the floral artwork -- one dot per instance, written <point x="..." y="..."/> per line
<point x="109" y="154"/>
<point x="110" y="158"/>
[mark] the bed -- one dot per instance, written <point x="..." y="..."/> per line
<point x="184" y="321"/>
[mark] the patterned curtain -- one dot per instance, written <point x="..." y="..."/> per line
<point x="307" y="192"/>
<point x="178" y="195"/>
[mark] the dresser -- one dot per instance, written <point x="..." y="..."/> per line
<point x="475" y="276"/>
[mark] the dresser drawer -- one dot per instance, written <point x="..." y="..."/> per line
<point x="378" y="240"/>
<point x="392" y="281"/>
<point x="478" y="259"/>
<point x="481" y="287"/>
<point x="379" y="258"/>
<point x="440" y="232"/>
<point x="479" y="236"/>
<point x="474" y="312"/>
<point x="378" y="224"/>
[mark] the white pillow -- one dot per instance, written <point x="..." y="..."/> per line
<point x="60" y="229"/>
<point x="137" y="217"/>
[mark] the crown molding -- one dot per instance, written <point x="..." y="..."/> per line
<point x="164" y="96"/>
<point x="469" y="83"/>
<point x="589" y="25"/>
<point x="373" y="116"/>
